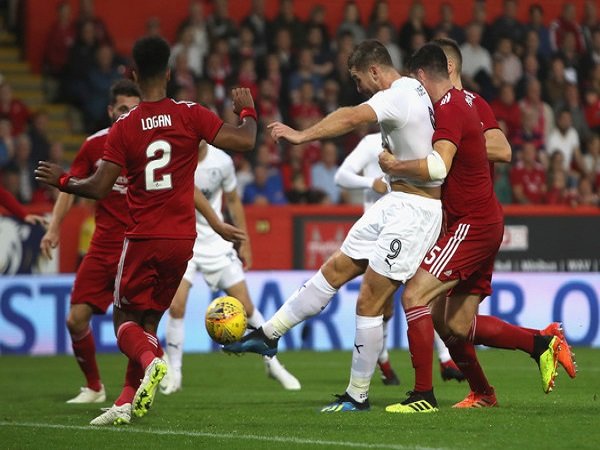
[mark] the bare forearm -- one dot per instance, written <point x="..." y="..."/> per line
<point x="415" y="169"/>
<point x="203" y="206"/>
<point x="237" y="213"/>
<point x="59" y="211"/>
<point x="497" y="146"/>
<point x="335" y="124"/>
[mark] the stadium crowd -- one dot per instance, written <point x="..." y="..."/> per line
<point x="543" y="83"/>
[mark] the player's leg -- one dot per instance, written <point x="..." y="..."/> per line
<point x="448" y="368"/>
<point x="388" y="376"/>
<point x="175" y="334"/>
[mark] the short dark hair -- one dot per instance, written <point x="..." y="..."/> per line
<point x="123" y="87"/>
<point x="151" y="56"/>
<point x="451" y="48"/>
<point x="431" y="59"/>
<point x="367" y="53"/>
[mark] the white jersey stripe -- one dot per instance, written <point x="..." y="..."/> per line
<point x="437" y="260"/>
<point x="460" y="239"/>
<point x="117" y="295"/>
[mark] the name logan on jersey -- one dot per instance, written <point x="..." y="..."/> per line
<point x="162" y="120"/>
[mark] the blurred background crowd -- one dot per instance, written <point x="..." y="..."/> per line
<point x="540" y="75"/>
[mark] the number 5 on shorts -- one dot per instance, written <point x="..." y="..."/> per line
<point x="432" y="255"/>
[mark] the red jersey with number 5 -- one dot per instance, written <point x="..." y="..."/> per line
<point x="157" y="144"/>
<point x="112" y="214"/>
<point x="468" y="190"/>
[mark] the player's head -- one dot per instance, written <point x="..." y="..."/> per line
<point x="368" y="64"/>
<point x="453" y="55"/>
<point x="429" y="65"/>
<point x="151" y="58"/>
<point x="124" y="95"/>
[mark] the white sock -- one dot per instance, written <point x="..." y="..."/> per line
<point x="442" y="350"/>
<point x="306" y="302"/>
<point x="384" y="355"/>
<point x="367" y="345"/>
<point x="256" y="319"/>
<point x="175" y="336"/>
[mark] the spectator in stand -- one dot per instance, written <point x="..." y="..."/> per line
<point x="81" y="60"/>
<point x="380" y="16"/>
<point x="349" y="95"/>
<point x="568" y="53"/>
<point x="101" y="77"/>
<point x="532" y="49"/>
<point x="86" y="15"/>
<point x="182" y="81"/>
<point x="351" y="22"/>
<point x="194" y="51"/>
<point x="295" y="164"/>
<point x="59" y="41"/>
<point x="283" y="51"/>
<point x="590" y="21"/>
<point x="322" y="57"/>
<point x="305" y="112"/>
<point x="7" y="143"/>
<point x="153" y="27"/>
<point x="218" y="71"/>
<point x="480" y="18"/>
<point x="563" y="25"/>
<point x="592" y="109"/>
<point x="558" y="192"/>
<point x="257" y="22"/>
<point x="13" y="109"/>
<point x="220" y="25"/>
<point x="38" y="134"/>
<point x="541" y="113"/>
<point x="592" y="57"/>
<point x="585" y="195"/>
<point x="447" y="27"/>
<point x="556" y="82"/>
<point x="506" y="108"/>
<point x="23" y="166"/>
<point x="384" y="35"/>
<point x="591" y="159"/>
<point x="477" y="62"/>
<point x="247" y="47"/>
<point x="507" y="25"/>
<point x="502" y="186"/>
<point x="266" y="189"/>
<point x="414" y="24"/>
<point x="564" y="138"/>
<point x="247" y="77"/>
<point x="288" y="20"/>
<point x="528" y="177"/>
<point x="529" y="133"/>
<point x="11" y="180"/>
<point x="196" y="21"/>
<point x="301" y="193"/>
<point x="512" y="69"/>
<point x="331" y="96"/>
<point x="267" y="105"/>
<point x="323" y="174"/>
<point x="536" y="24"/>
<point x="44" y="193"/>
<point x="572" y="102"/>
<point x="531" y="71"/>
<point x="304" y="73"/>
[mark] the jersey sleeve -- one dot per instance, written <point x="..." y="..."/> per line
<point x="114" y="150"/>
<point x="348" y="175"/>
<point x="447" y="125"/>
<point x="488" y="119"/>
<point x="8" y="202"/>
<point x="205" y="123"/>
<point x="389" y="106"/>
<point x="229" y="183"/>
<point x="82" y="166"/>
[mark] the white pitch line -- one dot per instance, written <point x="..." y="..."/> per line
<point x="252" y="437"/>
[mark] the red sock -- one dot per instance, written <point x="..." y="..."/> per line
<point x="463" y="354"/>
<point x="158" y="350"/>
<point x="133" y="377"/>
<point x="84" y="349"/>
<point x="420" y="343"/>
<point x="531" y="330"/>
<point x="134" y="343"/>
<point x="493" y="332"/>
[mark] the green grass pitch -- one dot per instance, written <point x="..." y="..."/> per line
<point x="228" y="403"/>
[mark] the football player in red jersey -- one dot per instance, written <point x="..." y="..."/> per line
<point x="156" y="143"/>
<point x="462" y="260"/>
<point x="12" y="205"/>
<point x="94" y="284"/>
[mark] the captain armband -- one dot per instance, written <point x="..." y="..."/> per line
<point x="436" y="166"/>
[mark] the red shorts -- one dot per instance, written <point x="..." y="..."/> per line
<point x="95" y="281"/>
<point x="467" y="252"/>
<point x="149" y="273"/>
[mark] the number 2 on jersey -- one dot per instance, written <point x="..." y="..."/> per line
<point x="153" y="184"/>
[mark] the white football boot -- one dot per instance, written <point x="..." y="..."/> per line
<point x="115" y="415"/>
<point x="87" y="395"/>
<point x="276" y="370"/>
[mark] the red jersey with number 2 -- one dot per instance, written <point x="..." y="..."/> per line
<point x="157" y="143"/>
<point x="468" y="190"/>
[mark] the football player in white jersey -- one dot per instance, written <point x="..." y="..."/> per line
<point x="361" y="170"/>
<point x="389" y="241"/>
<point x="219" y="264"/>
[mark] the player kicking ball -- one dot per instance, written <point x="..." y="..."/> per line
<point x="219" y="264"/>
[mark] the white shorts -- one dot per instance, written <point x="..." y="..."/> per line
<point x="395" y="234"/>
<point x="219" y="263"/>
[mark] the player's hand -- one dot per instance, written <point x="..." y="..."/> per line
<point x="231" y="233"/>
<point x="34" y="219"/>
<point x="386" y="161"/>
<point x="48" y="173"/>
<point x="240" y="99"/>
<point x="281" y="131"/>
<point x="49" y="241"/>
<point x="245" y="254"/>
<point x="380" y="186"/>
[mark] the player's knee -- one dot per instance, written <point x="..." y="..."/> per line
<point x="76" y="324"/>
<point x="457" y="329"/>
<point x="411" y="298"/>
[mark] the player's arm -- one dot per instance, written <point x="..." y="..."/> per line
<point x="59" y="211"/>
<point x="226" y="231"/>
<point x="340" y="121"/>
<point x="242" y="137"/>
<point x="348" y="174"/>
<point x="236" y="210"/>
<point x="433" y="168"/>
<point x="497" y="146"/>
<point x="96" y="186"/>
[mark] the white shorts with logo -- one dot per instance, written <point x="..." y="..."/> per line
<point x="395" y="234"/>
<point x="218" y="261"/>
